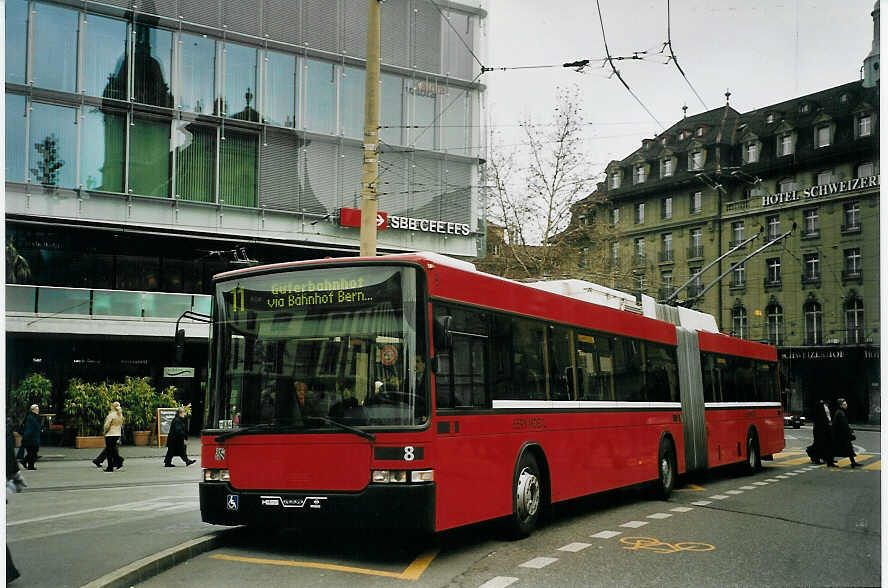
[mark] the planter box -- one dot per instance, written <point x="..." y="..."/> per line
<point x="89" y="442"/>
<point x="141" y="437"/>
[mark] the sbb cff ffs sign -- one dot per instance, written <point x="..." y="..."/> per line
<point x="351" y="217"/>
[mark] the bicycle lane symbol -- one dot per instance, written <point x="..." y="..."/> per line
<point x="657" y="546"/>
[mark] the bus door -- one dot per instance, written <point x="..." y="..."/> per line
<point x="692" y="405"/>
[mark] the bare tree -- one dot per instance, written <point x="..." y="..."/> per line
<point x="532" y="193"/>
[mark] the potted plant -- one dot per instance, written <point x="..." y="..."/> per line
<point x="138" y="398"/>
<point x="86" y="406"/>
<point x="34" y="389"/>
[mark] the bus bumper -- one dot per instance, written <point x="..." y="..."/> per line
<point x="384" y="506"/>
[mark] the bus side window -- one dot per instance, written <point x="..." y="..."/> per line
<point x="709" y="381"/>
<point x="662" y="372"/>
<point x="604" y="347"/>
<point x="587" y="373"/>
<point x="628" y="377"/>
<point x="560" y="366"/>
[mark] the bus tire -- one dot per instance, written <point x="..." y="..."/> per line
<point x="753" y="459"/>
<point x="527" y="497"/>
<point x="666" y="469"/>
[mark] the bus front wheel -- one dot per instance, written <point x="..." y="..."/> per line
<point x="526" y="497"/>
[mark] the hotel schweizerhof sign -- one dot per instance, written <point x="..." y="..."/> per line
<point x="820" y="190"/>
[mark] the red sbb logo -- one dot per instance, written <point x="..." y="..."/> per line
<point x="351" y="217"/>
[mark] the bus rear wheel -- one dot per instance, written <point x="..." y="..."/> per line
<point x="526" y="497"/>
<point x="666" y="470"/>
<point x="753" y="460"/>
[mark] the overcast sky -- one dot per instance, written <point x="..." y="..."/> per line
<point x="764" y="51"/>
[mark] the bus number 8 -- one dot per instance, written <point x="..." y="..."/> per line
<point x="408" y="453"/>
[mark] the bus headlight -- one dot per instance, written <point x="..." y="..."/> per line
<point x="388" y="476"/>
<point x="422" y="476"/>
<point x="216" y="476"/>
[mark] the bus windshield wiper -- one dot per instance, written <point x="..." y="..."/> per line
<point x="270" y="427"/>
<point x="344" y="427"/>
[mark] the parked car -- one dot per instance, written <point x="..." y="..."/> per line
<point x="793" y="420"/>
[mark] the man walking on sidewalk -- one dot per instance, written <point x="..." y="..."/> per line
<point x="176" y="441"/>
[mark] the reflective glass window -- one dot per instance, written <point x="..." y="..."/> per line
<point x="422" y="133"/>
<point x="198" y="63"/>
<point x="320" y="96"/>
<point x="105" y="58"/>
<point x="15" y="137"/>
<point x="102" y="149"/>
<point x="149" y="173"/>
<point x="279" y="99"/>
<point x="52" y="158"/>
<point x="454" y="121"/>
<point x="239" y="154"/>
<point x="16" y="40"/>
<point x="240" y="82"/>
<point x="54" y="64"/>
<point x="351" y="102"/>
<point x="152" y="63"/>
<point x="195" y="162"/>
<point x="391" y="109"/>
<point x="458" y="37"/>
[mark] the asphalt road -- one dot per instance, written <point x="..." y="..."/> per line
<point x="791" y="524"/>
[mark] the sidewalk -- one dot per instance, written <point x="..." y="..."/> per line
<point x="57" y="453"/>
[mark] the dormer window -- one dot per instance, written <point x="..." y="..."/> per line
<point x="666" y="167"/>
<point x="751" y="152"/>
<point x="804" y="108"/>
<point x="700" y="131"/>
<point x="664" y="140"/>
<point x="695" y="160"/>
<point x="784" y="144"/>
<point x="640" y="173"/>
<point x="770" y="118"/>
<point x="616" y="180"/>
<point x="823" y="135"/>
<point x="846" y="98"/>
<point x="684" y="135"/>
<point x="864" y="125"/>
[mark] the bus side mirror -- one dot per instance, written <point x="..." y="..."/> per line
<point x="180" y="345"/>
<point x="443" y="334"/>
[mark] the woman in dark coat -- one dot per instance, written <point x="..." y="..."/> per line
<point x="821" y="450"/>
<point x="176" y="440"/>
<point x="842" y="434"/>
<point x="31" y="437"/>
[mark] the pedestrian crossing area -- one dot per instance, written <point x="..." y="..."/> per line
<point x="788" y="459"/>
<point x="164" y="505"/>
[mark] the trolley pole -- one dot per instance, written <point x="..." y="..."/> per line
<point x="370" y="166"/>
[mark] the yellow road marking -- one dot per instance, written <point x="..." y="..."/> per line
<point x="794" y="462"/>
<point x="691" y="488"/>
<point x="413" y="571"/>
<point x="876" y="465"/>
<point x="783" y="454"/>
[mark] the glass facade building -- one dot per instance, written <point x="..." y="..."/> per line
<point x="148" y="141"/>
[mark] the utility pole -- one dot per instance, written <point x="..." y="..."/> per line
<point x="370" y="166"/>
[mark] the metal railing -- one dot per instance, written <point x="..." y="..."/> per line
<point x="97" y="302"/>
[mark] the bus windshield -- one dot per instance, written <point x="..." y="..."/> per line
<point x="308" y="349"/>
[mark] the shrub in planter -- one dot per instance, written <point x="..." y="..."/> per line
<point x="138" y="400"/>
<point x="35" y="389"/>
<point x="86" y="406"/>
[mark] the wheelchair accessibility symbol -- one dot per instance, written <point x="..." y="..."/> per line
<point x="231" y="502"/>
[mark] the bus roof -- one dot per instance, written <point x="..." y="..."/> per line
<point x="569" y="301"/>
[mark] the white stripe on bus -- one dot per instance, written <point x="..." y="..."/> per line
<point x="563" y="404"/>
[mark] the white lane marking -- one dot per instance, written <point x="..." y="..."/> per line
<point x="702" y="502"/>
<point x="734" y="492"/>
<point x="606" y="534"/>
<point x="770" y="479"/>
<point x="499" y="582"/>
<point x="574" y="547"/>
<point x="747" y="487"/>
<point x="681" y="509"/>
<point x="659" y="515"/>
<point x="790" y="474"/>
<point x="719" y="497"/>
<point x="538" y="562"/>
<point x="782" y="477"/>
<point x="634" y="524"/>
<point x="760" y="483"/>
<point x="800" y="471"/>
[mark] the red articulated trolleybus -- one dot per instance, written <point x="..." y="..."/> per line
<point x="412" y="391"/>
